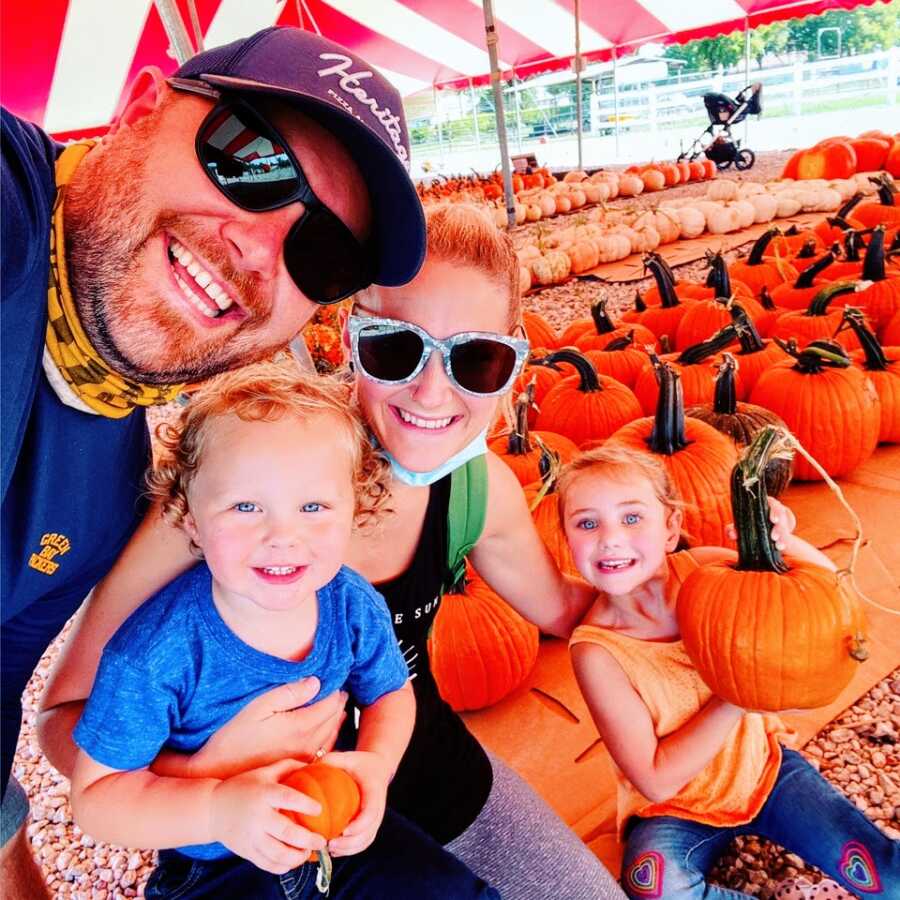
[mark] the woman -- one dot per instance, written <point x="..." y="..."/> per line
<point x="428" y="402"/>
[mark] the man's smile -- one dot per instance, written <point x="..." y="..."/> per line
<point x="198" y="286"/>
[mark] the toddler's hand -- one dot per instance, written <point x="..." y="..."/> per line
<point x="246" y="816"/>
<point x="783" y="524"/>
<point x="371" y="773"/>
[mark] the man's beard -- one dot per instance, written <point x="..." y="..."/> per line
<point x="108" y="232"/>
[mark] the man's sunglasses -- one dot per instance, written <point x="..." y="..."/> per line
<point x="480" y="363"/>
<point x="253" y="166"/>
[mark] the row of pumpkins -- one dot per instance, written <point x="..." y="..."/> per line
<point x="605" y="236"/>
<point x="842" y="156"/>
<point x="796" y="336"/>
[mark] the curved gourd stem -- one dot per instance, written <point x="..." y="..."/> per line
<point x="759" y="247"/>
<point x="624" y="342"/>
<point x="664" y="278"/>
<point x="765" y="300"/>
<point x="873" y="264"/>
<point x="853" y="243"/>
<point x="639" y="305"/>
<point x="725" y="397"/>
<point x="589" y="382"/>
<point x="519" y="443"/>
<point x="809" y="274"/>
<point x="750" y="504"/>
<point x="886" y="190"/>
<point x="847" y="208"/>
<point x="854" y="319"/>
<point x="808" y="250"/>
<point x="668" y="435"/>
<point x="818" y="306"/>
<point x="602" y="322"/>
<point x="719" y="279"/>
<point x="712" y="345"/>
<point x="816" y="356"/>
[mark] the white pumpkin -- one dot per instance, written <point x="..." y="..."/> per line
<point x="788" y="205"/>
<point x="723" y="220"/>
<point x="744" y="211"/>
<point x="613" y="246"/>
<point x="691" y="221"/>
<point x="575" y="177"/>
<point x="723" y="189"/>
<point x="765" y="207"/>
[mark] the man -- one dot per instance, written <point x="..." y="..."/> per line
<point x="268" y="176"/>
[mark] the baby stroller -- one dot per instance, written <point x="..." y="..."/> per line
<point x="716" y="142"/>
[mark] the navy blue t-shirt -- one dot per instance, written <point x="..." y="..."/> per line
<point x="174" y="673"/>
<point x="71" y="482"/>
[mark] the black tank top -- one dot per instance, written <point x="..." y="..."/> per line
<point x="445" y="776"/>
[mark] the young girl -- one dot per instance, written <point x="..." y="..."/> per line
<point x="268" y="473"/>
<point x="693" y="770"/>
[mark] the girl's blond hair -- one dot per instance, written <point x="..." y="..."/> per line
<point x="266" y="392"/>
<point x="621" y="462"/>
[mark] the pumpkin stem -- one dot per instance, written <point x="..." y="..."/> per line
<point x="549" y="466"/>
<point x="704" y="349"/>
<point x="639" y="305"/>
<point x="808" y="250"/>
<point x="853" y="243"/>
<point x="853" y="318"/>
<point x="816" y="356"/>
<point x="895" y="243"/>
<point x="765" y="299"/>
<point x="873" y="264"/>
<point x="719" y="279"/>
<point x="759" y="247"/>
<point x="818" y="306"/>
<point x="667" y="436"/>
<point x="519" y="443"/>
<point x="623" y="342"/>
<point x="664" y="278"/>
<point x="793" y="231"/>
<point x="589" y="382"/>
<point x="750" y="503"/>
<point x="808" y="275"/>
<point x="838" y="221"/>
<point x="844" y="211"/>
<point x="725" y="397"/>
<point x="749" y="337"/>
<point x="602" y="322"/>
<point x="886" y="189"/>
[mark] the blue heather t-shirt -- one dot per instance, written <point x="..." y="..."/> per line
<point x="174" y="672"/>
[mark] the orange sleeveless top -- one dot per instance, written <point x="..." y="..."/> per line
<point x="732" y="788"/>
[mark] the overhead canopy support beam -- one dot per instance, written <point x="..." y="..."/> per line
<point x="578" y="78"/>
<point x="175" y="30"/>
<point x="492" y="41"/>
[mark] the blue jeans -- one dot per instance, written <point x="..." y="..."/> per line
<point x="402" y="863"/>
<point x="666" y="857"/>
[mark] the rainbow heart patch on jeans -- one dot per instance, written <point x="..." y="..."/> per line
<point x="645" y="877"/>
<point x="858" y="868"/>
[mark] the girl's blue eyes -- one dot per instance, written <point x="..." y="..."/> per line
<point x="627" y="519"/>
<point x="587" y="524"/>
<point x="247" y="506"/>
<point x="631" y="518"/>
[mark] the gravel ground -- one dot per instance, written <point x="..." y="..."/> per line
<point x="858" y="753"/>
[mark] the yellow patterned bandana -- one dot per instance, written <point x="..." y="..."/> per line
<point x="93" y="382"/>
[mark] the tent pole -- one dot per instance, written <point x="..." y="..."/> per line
<point x="515" y="87"/>
<point x="615" y="56"/>
<point x="492" y="40"/>
<point x="175" y="30"/>
<point x="437" y="118"/>
<point x="475" y="114"/>
<point x="746" y="69"/>
<point x="578" y="78"/>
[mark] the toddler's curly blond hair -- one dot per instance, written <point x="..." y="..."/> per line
<point x="266" y="392"/>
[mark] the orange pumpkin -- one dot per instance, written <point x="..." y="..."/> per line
<point x="543" y="501"/>
<point x="758" y="270"/>
<point x="871" y="152"/>
<point x="768" y="632"/>
<point x="697" y="457"/>
<point x="521" y="449"/>
<point x="741" y="422"/>
<point x="833" y="160"/>
<point x="882" y="365"/>
<point x="538" y="330"/>
<point x="794" y="239"/>
<point x="881" y="298"/>
<point x="809" y="282"/>
<point x="479" y="647"/>
<point x="586" y="406"/>
<point x="755" y="355"/>
<point x="831" y="407"/>
<point x="885" y="212"/>
<point x="890" y="333"/>
<point x="620" y="359"/>
<point x="818" y="321"/>
<point x="600" y="330"/>
<point x="663" y="317"/>
<point x="335" y="791"/>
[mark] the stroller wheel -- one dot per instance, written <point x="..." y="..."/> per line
<point x="681" y="157"/>
<point x="723" y="164"/>
<point x="744" y="159"/>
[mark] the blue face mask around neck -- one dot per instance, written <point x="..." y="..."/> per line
<point x="476" y="447"/>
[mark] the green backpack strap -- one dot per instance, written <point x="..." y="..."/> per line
<point x="465" y="517"/>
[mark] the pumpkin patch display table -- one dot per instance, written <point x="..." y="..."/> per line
<point x="544" y="730"/>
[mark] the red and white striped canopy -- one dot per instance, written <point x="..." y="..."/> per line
<point x="65" y="63"/>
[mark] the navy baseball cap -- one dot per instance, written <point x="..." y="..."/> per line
<point x="357" y="104"/>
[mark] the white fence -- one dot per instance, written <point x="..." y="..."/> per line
<point x="802" y="103"/>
